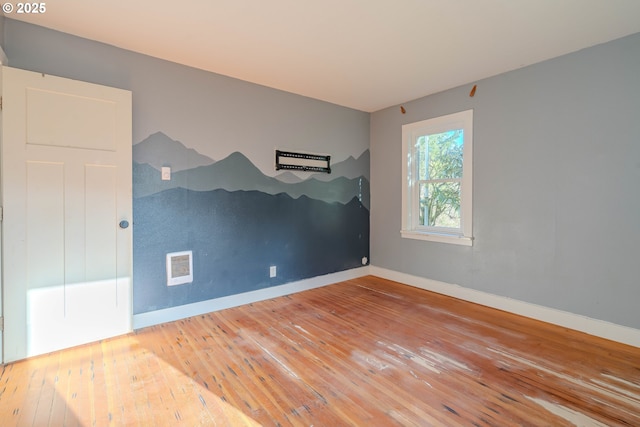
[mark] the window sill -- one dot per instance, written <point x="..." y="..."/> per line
<point x="454" y="239"/>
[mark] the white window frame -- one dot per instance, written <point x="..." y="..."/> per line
<point x="411" y="229"/>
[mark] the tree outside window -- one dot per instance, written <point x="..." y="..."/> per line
<point x="439" y="162"/>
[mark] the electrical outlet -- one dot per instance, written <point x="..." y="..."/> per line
<point x="272" y="271"/>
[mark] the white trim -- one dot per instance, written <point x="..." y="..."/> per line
<point x="410" y="133"/>
<point x="151" y="318"/>
<point x="599" y="328"/>
<point x="436" y="237"/>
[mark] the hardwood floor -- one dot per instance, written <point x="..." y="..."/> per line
<point x="366" y="352"/>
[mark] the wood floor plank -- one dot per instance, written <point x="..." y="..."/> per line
<point x="35" y="381"/>
<point x="61" y="383"/>
<point x="362" y="352"/>
<point x="248" y="379"/>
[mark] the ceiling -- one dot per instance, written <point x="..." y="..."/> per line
<point x="362" y="54"/>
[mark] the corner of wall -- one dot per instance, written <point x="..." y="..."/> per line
<point x="3" y="57"/>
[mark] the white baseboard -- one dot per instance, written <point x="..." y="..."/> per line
<point x="156" y="317"/>
<point x="599" y="328"/>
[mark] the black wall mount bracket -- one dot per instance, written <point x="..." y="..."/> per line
<point x="303" y="162"/>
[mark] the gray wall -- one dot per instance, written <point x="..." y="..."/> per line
<point x="235" y="235"/>
<point x="556" y="185"/>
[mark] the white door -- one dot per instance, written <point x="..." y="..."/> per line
<point x="66" y="198"/>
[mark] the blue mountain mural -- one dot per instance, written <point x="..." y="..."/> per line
<point x="349" y="168"/>
<point x="158" y="147"/>
<point x="238" y="222"/>
<point x="237" y="173"/>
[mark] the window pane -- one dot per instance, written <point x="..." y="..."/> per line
<point x="422" y="156"/>
<point x="440" y="204"/>
<point x="439" y="156"/>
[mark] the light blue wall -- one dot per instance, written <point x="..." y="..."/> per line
<point x="556" y="185"/>
<point x="236" y="227"/>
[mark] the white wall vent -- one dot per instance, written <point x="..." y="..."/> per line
<point x="179" y="268"/>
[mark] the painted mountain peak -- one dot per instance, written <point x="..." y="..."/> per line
<point x="349" y="168"/>
<point x="237" y="173"/>
<point x="159" y="150"/>
<point x="289" y="177"/>
<point x="193" y="171"/>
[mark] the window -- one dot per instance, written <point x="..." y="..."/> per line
<point x="437" y="179"/>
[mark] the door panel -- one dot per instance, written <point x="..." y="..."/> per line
<point x="45" y="239"/>
<point x="70" y="120"/>
<point x="101" y="221"/>
<point x="66" y="184"/>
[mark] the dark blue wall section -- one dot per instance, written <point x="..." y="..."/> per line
<point x="235" y="237"/>
<point x="238" y="222"/>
